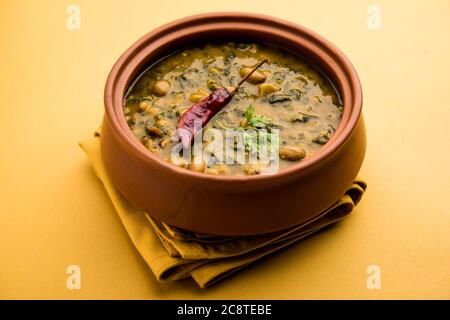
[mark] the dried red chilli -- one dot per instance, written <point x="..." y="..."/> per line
<point x="198" y="115"/>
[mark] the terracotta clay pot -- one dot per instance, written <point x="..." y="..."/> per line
<point x="232" y="205"/>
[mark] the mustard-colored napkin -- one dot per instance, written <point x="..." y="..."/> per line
<point x="173" y="254"/>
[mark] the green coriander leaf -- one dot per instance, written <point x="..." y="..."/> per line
<point x="256" y="121"/>
<point x="249" y="113"/>
<point x="260" y="121"/>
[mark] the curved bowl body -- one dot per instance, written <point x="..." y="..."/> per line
<point x="230" y="205"/>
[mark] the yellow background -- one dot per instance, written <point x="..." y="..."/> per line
<point x="54" y="212"/>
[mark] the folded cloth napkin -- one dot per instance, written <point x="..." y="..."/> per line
<point x="174" y="254"/>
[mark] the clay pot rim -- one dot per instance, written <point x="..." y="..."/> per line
<point x="342" y="69"/>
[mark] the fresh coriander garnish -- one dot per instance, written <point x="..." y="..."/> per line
<point x="256" y="121"/>
<point x="252" y="132"/>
